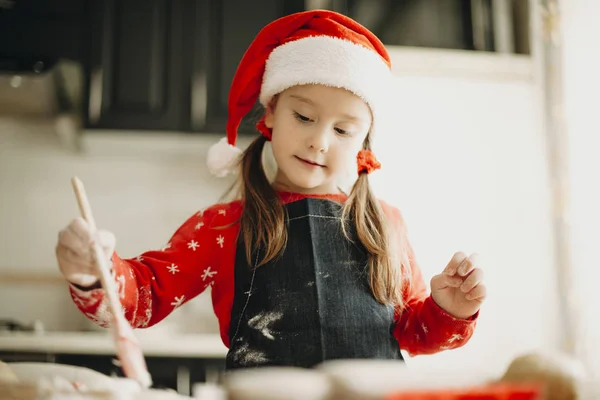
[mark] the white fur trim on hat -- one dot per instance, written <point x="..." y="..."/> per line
<point x="222" y="158"/>
<point x="328" y="61"/>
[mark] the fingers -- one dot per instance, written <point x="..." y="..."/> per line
<point x="468" y="265"/>
<point x="76" y="237"/>
<point x="443" y="281"/>
<point x="74" y="268"/>
<point x="472" y="280"/>
<point x="454" y="263"/>
<point x="478" y="293"/>
<point x="80" y="227"/>
<point x="461" y="264"/>
<point x="69" y="259"/>
<point x="74" y="253"/>
<point x="107" y="241"/>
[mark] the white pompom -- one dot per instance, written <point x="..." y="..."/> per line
<point x="222" y="158"/>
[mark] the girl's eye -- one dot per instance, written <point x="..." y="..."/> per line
<point x="341" y="131"/>
<point x="301" y="117"/>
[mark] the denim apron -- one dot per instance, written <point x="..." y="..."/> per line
<point x="312" y="304"/>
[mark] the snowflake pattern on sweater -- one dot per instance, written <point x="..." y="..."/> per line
<point x="201" y="253"/>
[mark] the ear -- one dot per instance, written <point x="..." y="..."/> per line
<point x="270" y="115"/>
<point x="270" y="112"/>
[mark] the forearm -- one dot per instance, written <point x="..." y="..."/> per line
<point x="425" y="328"/>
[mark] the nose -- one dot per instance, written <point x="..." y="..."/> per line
<point x="318" y="139"/>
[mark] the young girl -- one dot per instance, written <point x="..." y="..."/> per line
<point x="299" y="271"/>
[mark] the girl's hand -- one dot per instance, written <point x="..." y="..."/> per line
<point x="459" y="289"/>
<point x="74" y="254"/>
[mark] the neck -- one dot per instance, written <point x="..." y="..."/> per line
<point x="282" y="184"/>
<point x="284" y="187"/>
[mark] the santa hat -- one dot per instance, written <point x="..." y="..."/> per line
<point x="311" y="47"/>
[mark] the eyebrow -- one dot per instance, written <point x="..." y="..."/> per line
<point x="312" y="103"/>
<point x="302" y="99"/>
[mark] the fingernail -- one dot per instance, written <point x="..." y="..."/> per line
<point x="468" y="297"/>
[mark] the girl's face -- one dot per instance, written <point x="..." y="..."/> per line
<point x="317" y="133"/>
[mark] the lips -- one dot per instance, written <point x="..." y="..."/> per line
<point x="309" y="162"/>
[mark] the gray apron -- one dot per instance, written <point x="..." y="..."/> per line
<point x="312" y="304"/>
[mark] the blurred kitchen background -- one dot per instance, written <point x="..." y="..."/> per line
<point x="494" y="150"/>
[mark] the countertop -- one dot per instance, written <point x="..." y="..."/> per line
<point x="100" y="343"/>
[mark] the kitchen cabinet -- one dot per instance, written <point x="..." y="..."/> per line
<point x="167" y="65"/>
<point x="34" y="30"/>
<point x="136" y="70"/>
<point x="223" y="31"/>
<point x="448" y="24"/>
<point x="472" y="25"/>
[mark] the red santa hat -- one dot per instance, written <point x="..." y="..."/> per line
<point x="311" y="47"/>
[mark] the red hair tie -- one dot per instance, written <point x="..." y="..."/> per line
<point x="367" y="162"/>
<point x="263" y="128"/>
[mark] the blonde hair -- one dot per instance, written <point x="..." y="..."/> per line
<point x="263" y="226"/>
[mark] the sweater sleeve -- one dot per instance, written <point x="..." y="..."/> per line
<point x="422" y="327"/>
<point x="152" y="285"/>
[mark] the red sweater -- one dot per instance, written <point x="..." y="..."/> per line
<point x="155" y="283"/>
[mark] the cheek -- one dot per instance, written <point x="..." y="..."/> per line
<point x="285" y="136"/>
<point x="282" y="144"/>
<point x="276" y="146"/>
<point x="339" y="160"/>
<point x="349" y="150"/>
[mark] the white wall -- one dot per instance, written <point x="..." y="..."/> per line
<point x="581" y="63"/>
<point x="465" y="162"/>
<point x="140" y="186"/>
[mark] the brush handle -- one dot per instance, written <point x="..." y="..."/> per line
<point x="128" y="349"/>
<point x="100" y="260"/>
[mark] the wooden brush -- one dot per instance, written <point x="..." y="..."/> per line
<point x="128" y="348"/>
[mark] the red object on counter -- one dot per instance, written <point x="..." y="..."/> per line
<point x="502" y="391"/>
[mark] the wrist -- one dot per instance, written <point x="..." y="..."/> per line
<point x="453" y="313"/>
<point x="87" y="288"/>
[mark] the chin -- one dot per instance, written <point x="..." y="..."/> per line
<point x="304" y="180"/>
<point x="307" y="184"/>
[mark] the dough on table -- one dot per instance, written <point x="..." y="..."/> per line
<point x="560" y="375"/>
<point x="7" y="374"/>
